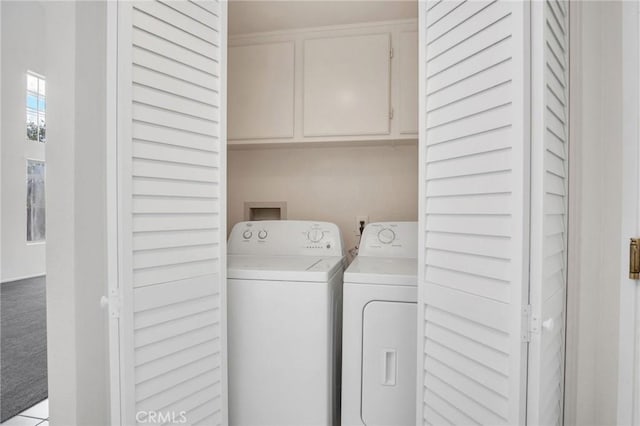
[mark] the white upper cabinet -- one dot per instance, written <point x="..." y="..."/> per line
<point x="347" y="85"/>
<point x="408" y="86"/>
<point x="262" y="84"/>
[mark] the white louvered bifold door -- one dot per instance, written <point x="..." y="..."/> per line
<point x="474" y="186"/>
<point x="171" y="158"/>
<point x="549" y="127"/>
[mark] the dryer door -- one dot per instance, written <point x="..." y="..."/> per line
<point x="389" y="364"/>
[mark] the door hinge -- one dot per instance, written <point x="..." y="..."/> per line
<point x="391" y="114"/>
<point x="112" y="302"/>
<point x="525" y="332"/>
<point x="634" y="259"/>
<point x="391" y="53"/>
<point x="530" y="323"/>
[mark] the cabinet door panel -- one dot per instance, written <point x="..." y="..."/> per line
<point x="261" y="86"/>
<point x="347" y="85"/>
<point x="408" y="58"/>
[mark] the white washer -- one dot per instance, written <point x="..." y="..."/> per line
<point x="284" y="320"/>
<point x="380" y="327"/>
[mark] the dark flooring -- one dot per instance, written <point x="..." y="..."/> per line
<point x="23" y="345"/>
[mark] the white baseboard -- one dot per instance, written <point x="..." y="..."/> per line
<point x="12" y="279"/>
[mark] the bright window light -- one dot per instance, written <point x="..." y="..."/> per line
<point x="36" y="108"/>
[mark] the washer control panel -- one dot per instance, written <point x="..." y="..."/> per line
<point x="285" y="237"/>
<point x="390" y="239"/>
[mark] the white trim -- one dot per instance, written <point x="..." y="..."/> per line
<point x="628" y="404"/>
<point x="521" y="217"/>
<point x="1" y="139"/>
<point x="224" y="28"/>
<point x="111" y="171"/>
<point x="537" y="173"/>
<point x="422" y="144"/>
<point x="574" y="212"/>
<point x="323" y="28"/>
<point x="124" y="200"/>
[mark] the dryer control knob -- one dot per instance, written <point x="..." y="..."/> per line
<point x="315" y="235"/>
<point x="247" y="234"/>
<point x="386" y="236"/>
<point x="262" y="234"/>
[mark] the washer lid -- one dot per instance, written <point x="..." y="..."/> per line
<point x="283" y="268"/>
<point x="382" y="270"/>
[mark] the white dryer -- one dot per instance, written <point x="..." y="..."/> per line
<point x="380" y="327"/>
<point x="284" y="281"/>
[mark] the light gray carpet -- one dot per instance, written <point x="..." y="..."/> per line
<point x="23" y="345"/>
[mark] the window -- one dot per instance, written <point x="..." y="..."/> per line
<point x="36" y="106"/>
<point x="36" y="225"/>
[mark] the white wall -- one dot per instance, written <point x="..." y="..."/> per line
<point x="90" y="214"/>
<point x="76" y="194"/>
<point x="333" y="184"/>
<point x="23" y="38"/>
<point x="594" y="305"/>
<point x="61" y="287"/>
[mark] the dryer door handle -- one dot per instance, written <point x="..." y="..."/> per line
<point x="389" y="367"/>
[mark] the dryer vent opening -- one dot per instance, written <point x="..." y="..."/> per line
<point x="276" y="210"/>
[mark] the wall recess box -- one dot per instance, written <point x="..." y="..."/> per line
<point x="265" y="210"/>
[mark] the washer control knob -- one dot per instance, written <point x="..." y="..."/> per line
<point x="315" y="235"/>
<point x="386" y="236"/>
<point x="262" y="234"/>
<point x="247" y="234"/>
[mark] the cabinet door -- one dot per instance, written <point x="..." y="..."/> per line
<point x="346" y="85"/>
<point x="408" y="61"/>
<point x="261" y="86"/>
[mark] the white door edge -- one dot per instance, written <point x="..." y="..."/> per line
<point x="422" y="144"/>
<point x="224" y="37"/>
<point x="629" y="344"/>
<point x="574" y="212"/>
<point x="112" y="207"/>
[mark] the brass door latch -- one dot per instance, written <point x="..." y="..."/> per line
<point x="634" y="259"/>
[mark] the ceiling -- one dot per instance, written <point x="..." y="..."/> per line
<point x="250" y="16"/>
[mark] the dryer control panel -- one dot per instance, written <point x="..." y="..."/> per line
<point x="285" y="238"/>
<point x="390" y="239"/>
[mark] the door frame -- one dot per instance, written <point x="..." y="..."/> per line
<point x="113" y="210"/>
<point x="629" y="328"/>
